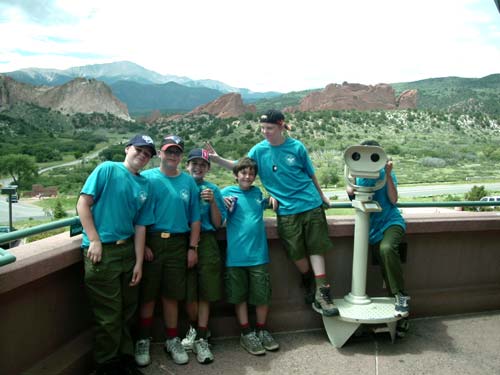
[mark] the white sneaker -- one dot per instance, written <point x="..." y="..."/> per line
<point x="188" y="341"/>
<point x="202" y="351"/>
<point x="142" y="357"/>
<point x="176" y="351"/>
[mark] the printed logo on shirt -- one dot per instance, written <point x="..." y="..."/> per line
<point x="184" y="194"/>
<point x="290" y="159"/>
<point x="142" y="197"/>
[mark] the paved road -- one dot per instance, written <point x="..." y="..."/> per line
<point x="428" y="191"/>
<point x="20" y="211"/>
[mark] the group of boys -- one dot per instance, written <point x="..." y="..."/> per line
<point x="152" y="234"/>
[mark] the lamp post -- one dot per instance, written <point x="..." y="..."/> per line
<point x="10" y="190"/>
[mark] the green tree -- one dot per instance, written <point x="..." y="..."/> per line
<point x="475" y="194"/>
<point x="59" y="212"/>
<point x="327" y="176"/>
<point x="22" y="169"/>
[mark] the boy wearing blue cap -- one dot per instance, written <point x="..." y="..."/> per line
<point x="112" y="211"/>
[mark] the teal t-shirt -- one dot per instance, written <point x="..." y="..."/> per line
<point x="390" y="215"/>
<point x="285" y="172"/>
<point x="119" y="201"/>
<point x="246" y="232"/>
<point x="205" y="209"/>
<point x="175" y="202"/>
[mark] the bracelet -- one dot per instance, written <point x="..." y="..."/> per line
<point x="191" y="247"/>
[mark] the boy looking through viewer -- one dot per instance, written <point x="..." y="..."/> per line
<point x="247" y="279"/>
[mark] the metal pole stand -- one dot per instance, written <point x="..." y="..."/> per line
<point x="357" y="308"/>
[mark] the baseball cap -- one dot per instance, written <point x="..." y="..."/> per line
<point x="141" y="140"/>
<point x="199" y="153"/>
<point x="172" y="140"/>
<point x="274" y="116"/>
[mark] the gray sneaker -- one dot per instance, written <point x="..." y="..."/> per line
<point x="142" y="357"/>
<point x="251" y="343"/>
<point x="268" y="341"/>
<point x="176" y="351"/>
<point x="323" y="302"/>
<point x="202" y="351"/>
<point x="188" y="341"/>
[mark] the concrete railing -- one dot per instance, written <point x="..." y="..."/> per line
<point x="452" y="267"/>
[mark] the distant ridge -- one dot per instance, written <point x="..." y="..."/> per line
<point x="80" y="95"/>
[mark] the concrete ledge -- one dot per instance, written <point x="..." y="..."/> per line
<point x="452" y="267"/>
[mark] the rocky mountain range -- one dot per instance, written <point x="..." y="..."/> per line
<point x="80" y="95"/>
<point x="348" y="96"/>
<point x="137" y="81"/>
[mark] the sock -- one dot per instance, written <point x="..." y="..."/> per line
<point x="201" y="333"/>
<point x="320" y="280"/>
<point x="245" y="329"/>
<point x="145" y="325"/>
<point x="171" y="333"/>
<point x="260" y="326"/>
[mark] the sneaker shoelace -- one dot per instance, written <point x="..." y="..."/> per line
<point x="176" y="346"/>
<point x="325" y="293"/>
<point x="143" y="346"/>
<point x="254" y="340"/>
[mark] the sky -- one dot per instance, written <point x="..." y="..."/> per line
<point x="262" y="45"/>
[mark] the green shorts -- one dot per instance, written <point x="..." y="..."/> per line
<point x="166" y="274"/>
<point x="204" y="282"/>
<point x="304" y="234"/>
<point x="248" y="284"/>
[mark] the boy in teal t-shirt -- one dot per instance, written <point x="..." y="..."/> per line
<point x="247" y="274"/>
<point x="112" y="211"/>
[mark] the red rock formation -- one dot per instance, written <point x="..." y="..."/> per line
<point x="229" y="105"/>
<point x="407" y="99"/>
<point x="350" y="96"/>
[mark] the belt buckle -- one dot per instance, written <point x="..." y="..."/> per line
<point x="165" y="235"/>
<point x="121" y="242"/>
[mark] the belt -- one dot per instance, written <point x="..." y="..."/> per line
<point x="119" y="242"/>
<point x="166" y="235"/>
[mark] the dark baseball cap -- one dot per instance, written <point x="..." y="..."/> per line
<point x="199" y="153"/>
<point x="141" y="140"/>
<point x="172" y="140"/>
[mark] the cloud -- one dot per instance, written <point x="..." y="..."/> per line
<point x="263" y="45"/>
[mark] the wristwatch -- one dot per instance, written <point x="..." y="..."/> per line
<point x="191" y="247"/>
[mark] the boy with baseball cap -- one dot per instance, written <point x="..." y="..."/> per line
<point x="112" y="211"/>
<point x="204" y="283"/>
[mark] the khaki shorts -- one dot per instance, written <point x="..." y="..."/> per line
<point x="204" y="282"/>
<point x="166" y="274"/>
<point x="304" y="234"/>
<point x="248" y="284"/>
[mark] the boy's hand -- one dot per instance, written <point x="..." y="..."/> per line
<point x="192" y="258"/>
<point x="148" y="254"/>
<point x="228" y="202"/>
<point x="136" y="275"/>
<point x="207" y="195"/>
<point x="210" y="149"/>
<point x="388" y="167"/>
<point x="94" y="253"/>
<point x="273" y="203"/>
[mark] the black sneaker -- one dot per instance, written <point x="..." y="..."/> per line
<point x="309" y="285"/>
<point x="402" y="328"/>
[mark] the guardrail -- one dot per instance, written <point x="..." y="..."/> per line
<point x="6" y="257"/>
<point x="75" y="226"/>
